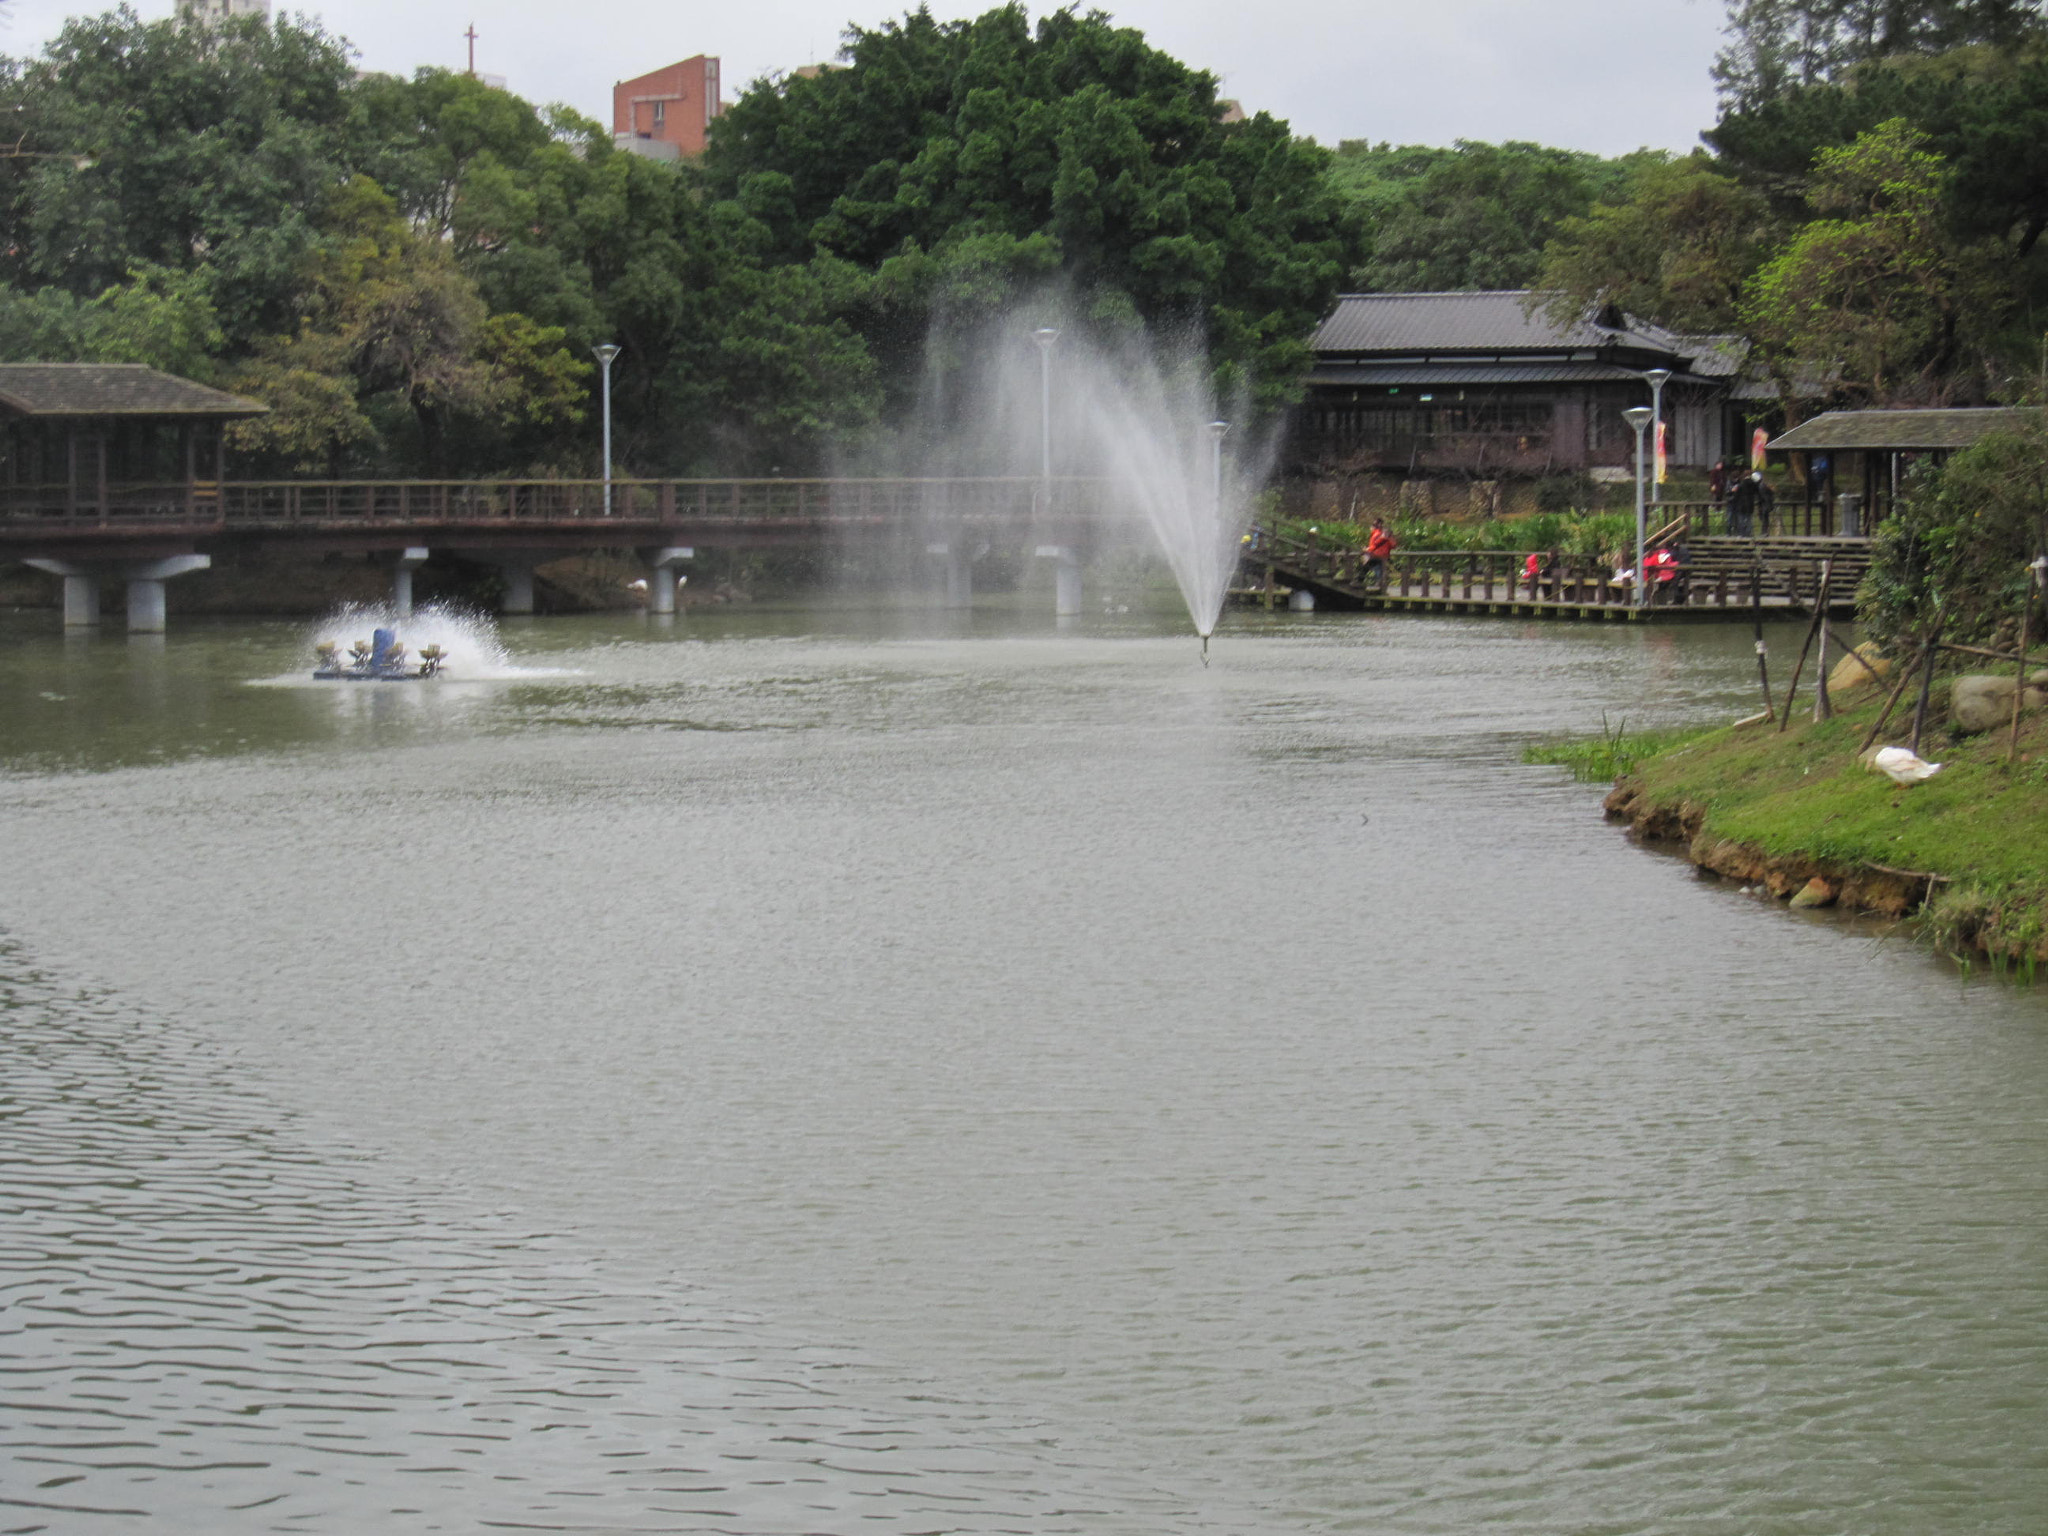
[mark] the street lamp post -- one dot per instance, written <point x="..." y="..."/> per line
<point x="1639" y="417"/>
<point x="1045" y="336"/>
<point x="1657" y="378"/>
<point x="605" y="352"/>
<point x="1216" y="430"/>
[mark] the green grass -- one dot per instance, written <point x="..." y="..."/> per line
<point x="1982" y="822"/>
<point x="1614" y="752"/>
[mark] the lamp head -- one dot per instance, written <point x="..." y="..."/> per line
<point x="1216" y="429"/>
<point x="1657" y="378"/>
<point x="1638" y="416"/>
<point x="1045" y="336"/>
<point x="605" y="351"/>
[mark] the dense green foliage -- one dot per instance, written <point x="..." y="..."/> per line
<point x="1469" y="217"/>
<point x="412" y="272"/>
<point x="958" y="167"/>
<point x="1958" y="549"/>
<point x="1778" y="47"/>
<point x="1679" y="246"/>
<point x="1870" y="219"/>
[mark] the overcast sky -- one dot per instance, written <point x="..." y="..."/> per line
<point x="1586" y="74"/>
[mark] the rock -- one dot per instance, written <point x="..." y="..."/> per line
<point x="1983" y="701"/>
<point x="1815" y="893"/>
<point x="1851" y="674"/>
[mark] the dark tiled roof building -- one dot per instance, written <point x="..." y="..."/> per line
<point x="1490" y="384"/>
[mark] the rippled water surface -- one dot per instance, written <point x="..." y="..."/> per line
<point x="832" y="1070"/>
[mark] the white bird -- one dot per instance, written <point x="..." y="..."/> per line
<point x="1901" y="766"/>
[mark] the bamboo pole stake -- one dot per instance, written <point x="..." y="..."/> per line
<point x="1854" y="654"/>
<point x="1756" y="620"/>
<point x="1890" y="704"/>
<point x="1823" y="707"/>
<point x="2019" y="682"/>
<point x="1978" y="650"/>
<point x="1792" y="690"/>
<point x="1926" y="684"/>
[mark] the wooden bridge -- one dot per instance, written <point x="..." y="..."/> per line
<point x="146" y="534"/>
<point x="1720" y="577"/>
<point x="349" y="514"/>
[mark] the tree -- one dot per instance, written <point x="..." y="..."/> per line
<point x="1778" y="46"/>
<point x="158" y="318"/>
<point x="397" y="344"/>
<point x="1958" y="547"/>
<point x="1878" y="298"/>
<point x="1679" y="250"/>
<point x="1472" y="217"/>
<point x="211" y="150"/>
<point x="962" y="163"/>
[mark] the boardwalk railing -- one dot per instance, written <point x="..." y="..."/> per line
<point x="286" y="504"/>
<point x="1720" y="573"/>
<point x="128" y="502"/>
<point x="1682" y="521"/>
<point x="289" y="502"/>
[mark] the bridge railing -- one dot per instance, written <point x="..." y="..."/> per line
<point x="289" y="503"/>
<point x="311" y="504"/>
<point x="125" y="501"/>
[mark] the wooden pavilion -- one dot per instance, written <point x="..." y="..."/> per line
<point x="103" y="441"/>
<point x="1857" y="460"/>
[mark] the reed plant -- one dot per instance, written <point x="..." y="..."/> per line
<point x="1615" y="751"/>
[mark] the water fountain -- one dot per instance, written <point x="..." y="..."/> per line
<point x="1143" y="412"/>
<point x="1150" y="420"/>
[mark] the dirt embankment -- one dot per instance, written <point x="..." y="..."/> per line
<point x="1803" y="880"/>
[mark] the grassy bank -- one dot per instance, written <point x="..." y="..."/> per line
<point x="1970" y="844"/>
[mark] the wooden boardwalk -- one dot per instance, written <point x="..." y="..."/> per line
<point x="1722" y="578"/>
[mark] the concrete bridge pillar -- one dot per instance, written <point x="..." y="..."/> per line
<point x="81" y="602"/>
<point x="145" y="580"/>
<point x="959" y="572"/>
<point x="401" y="580"/>
<point x="146" y="589"/>
<point x="518" y="576"/>
<point x="661" y="575"/>
<point x="1066" y="578"/>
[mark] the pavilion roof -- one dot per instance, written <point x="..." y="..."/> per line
<point x="1937" y="428"/>
<point x="61" y="390"/>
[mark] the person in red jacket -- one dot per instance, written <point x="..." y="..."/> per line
<point x="1379" y="548"/>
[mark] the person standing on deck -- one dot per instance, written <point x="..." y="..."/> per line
<point x="1379" y="548"/>
<point x="1717" y="485"/>
<point x="1749" y="509"/>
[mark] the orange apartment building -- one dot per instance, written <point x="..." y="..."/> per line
<point x="664" y="115"/>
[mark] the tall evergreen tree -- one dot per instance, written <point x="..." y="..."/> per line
<point x="1777" y="46"/>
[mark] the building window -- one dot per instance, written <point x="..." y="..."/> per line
<point x="1510" y="423"/>
<point x="660" y="115"/>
